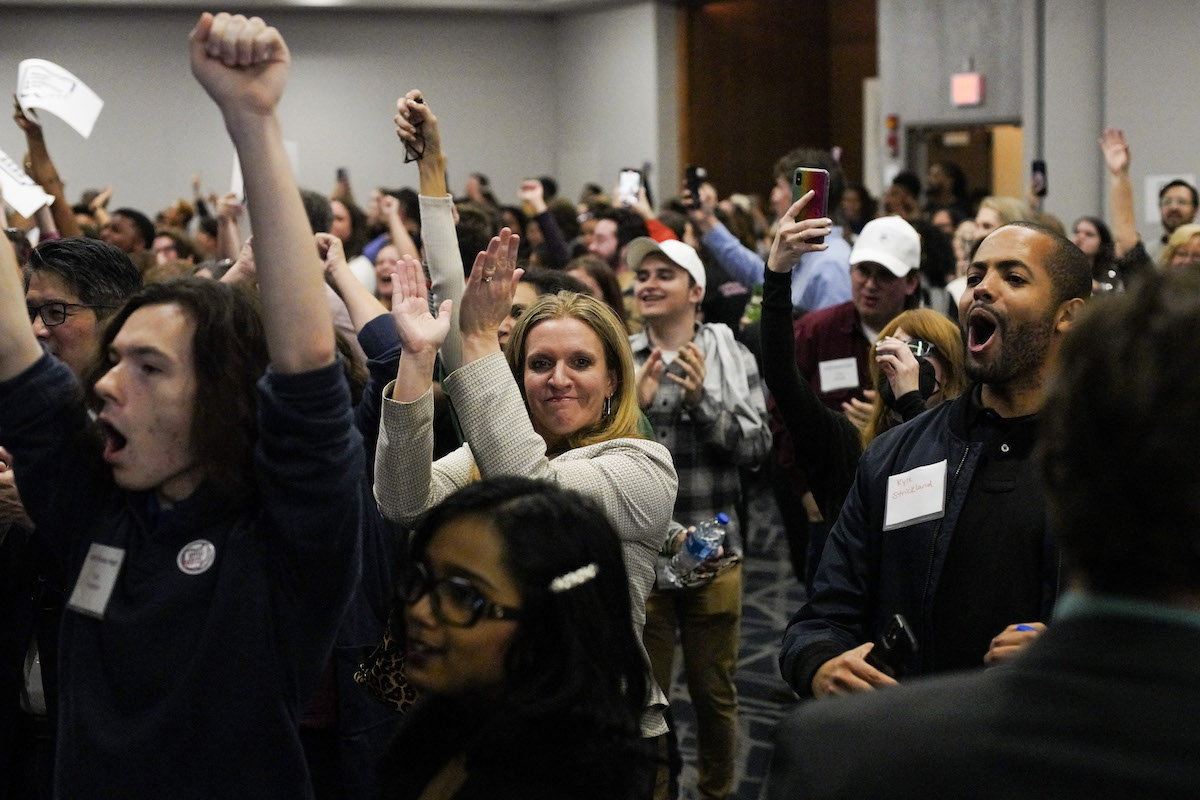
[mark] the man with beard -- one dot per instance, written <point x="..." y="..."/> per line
<point x="1177" y="203"/>
<point x="946" y="524"/>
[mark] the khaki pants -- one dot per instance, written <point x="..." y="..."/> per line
<point x="708" y="619"/>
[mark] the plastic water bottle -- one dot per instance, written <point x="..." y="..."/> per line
<point x="699" y="545"/>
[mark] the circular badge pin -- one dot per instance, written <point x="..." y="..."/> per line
<point x="196" y="557"/>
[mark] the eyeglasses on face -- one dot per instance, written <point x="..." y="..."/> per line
<point x="56" y="313"/>
<point x="454" y="600"/>
<point x="920" y="348"/>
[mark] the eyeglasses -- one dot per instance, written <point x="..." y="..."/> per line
<point x="920" y="348"/>
<point x="1174" y="201"/>
<point x="454" y="600"/>
<point x="56" y="313"/>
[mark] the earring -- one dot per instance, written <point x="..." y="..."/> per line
<point x="607" y="406"/>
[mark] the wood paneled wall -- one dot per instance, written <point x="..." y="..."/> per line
<point x="764" y="76"/>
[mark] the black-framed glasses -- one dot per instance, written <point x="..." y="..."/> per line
<point x="56" y="313"/>
<point x="454" y="600"/>
<point x="919" y="348"/>
<point x="416" y="150"/>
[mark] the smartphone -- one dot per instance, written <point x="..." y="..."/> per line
<point x="895" y="647"/>
<point x="629" y="184"/>
<point x="816" y="180"/>
<point x="1038" y="173"/>
<point x="343" y="174"/>
<point x="696" y="176"/>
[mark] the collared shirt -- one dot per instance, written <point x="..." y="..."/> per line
<point x="708" y="442"/>
<point x="829" y="335"/>
<point x="821" y="279"/>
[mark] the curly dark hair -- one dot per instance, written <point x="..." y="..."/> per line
<point x="1119" y="430"/>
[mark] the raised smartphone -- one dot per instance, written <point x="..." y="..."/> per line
<point x="629" y="184"/>
<point x="695" y="177"/>
<point x="817" y="180"/>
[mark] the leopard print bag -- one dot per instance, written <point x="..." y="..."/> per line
<point x="382" y="674"/>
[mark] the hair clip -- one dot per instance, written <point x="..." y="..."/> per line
<point x="575" y="577"/>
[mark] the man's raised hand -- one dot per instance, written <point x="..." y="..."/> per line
<point x="241" y="62"/>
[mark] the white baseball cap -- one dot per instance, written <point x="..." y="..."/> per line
<point x="681" y="255"/>
<point x="889" y="241"/>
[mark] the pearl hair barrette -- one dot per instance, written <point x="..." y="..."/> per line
<point x="575" y="577"/>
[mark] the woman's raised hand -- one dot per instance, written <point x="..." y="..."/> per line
<point x="488" y="295"/>
<point x="795" y="237"/>
<point x="898" y="364"/>
<point x="417" y="127"/>
<point x="420" y="331"/>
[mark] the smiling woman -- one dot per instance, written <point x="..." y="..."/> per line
<point x="563" y="408"/>
<point x="532" y="681"/>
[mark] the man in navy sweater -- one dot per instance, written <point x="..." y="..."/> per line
<point x="211" y="538"/>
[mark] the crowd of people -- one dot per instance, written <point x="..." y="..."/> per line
<point x="386" y="501"/>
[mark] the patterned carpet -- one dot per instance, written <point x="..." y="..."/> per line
<point x="771" y="595"/>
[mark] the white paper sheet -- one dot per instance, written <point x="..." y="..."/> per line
<point x="20" y="191"/>
<point x="237" y="187"/>
<point x="45" y="85"/>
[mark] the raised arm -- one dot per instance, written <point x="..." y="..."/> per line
<point x="362" y="305"/>
<point x="420" y="133"/>
<point x="243" y="64"/>
<point x="827" y="445"/>
<point x="401" y="238"/>
<point x="41" y="169"/>
<point x="18" y="346"/>
<point x="1120" y="190"/>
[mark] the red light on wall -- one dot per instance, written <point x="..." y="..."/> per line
<point x="966" y="89"/>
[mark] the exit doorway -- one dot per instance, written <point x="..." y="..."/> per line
<point x="991" y="156"/>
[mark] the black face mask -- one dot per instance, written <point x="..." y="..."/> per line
<point x="926" y="383"/>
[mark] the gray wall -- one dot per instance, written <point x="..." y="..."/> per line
<point x="514" y="92"/>
<point x="1103" y="62"/>
<point x="923" y="42"/>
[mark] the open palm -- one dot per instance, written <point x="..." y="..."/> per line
<point x="419" y="329"/>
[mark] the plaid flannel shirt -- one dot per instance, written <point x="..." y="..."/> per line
<point x="708" y="443"/>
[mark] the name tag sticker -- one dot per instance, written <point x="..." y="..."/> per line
<point x="838" y="373"/>
<point x="96" y="580"/>
<point x="915" y="496"/>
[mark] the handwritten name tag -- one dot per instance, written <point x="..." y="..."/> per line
<point x="915" y="496"/>
<point x="96" y="580"/>
<point x="838" y="373"/>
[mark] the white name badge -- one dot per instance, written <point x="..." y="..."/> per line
<point x="96" y="580"/>
<point x="915" y="496"/>
<point x="839" y="373"/>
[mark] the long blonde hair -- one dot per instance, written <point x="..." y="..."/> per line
<point x="622" y="419"/>
<point x="928" y="326"/>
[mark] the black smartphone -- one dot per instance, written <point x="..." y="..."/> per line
<point x="696" y="176"/>
<point x="629" y="184"/>
<point x="894" y="647"/>
<point x="1038" y="173"/>
<point x="816" y="180"/>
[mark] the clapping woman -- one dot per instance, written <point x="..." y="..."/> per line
<point x="559" y="404"/>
